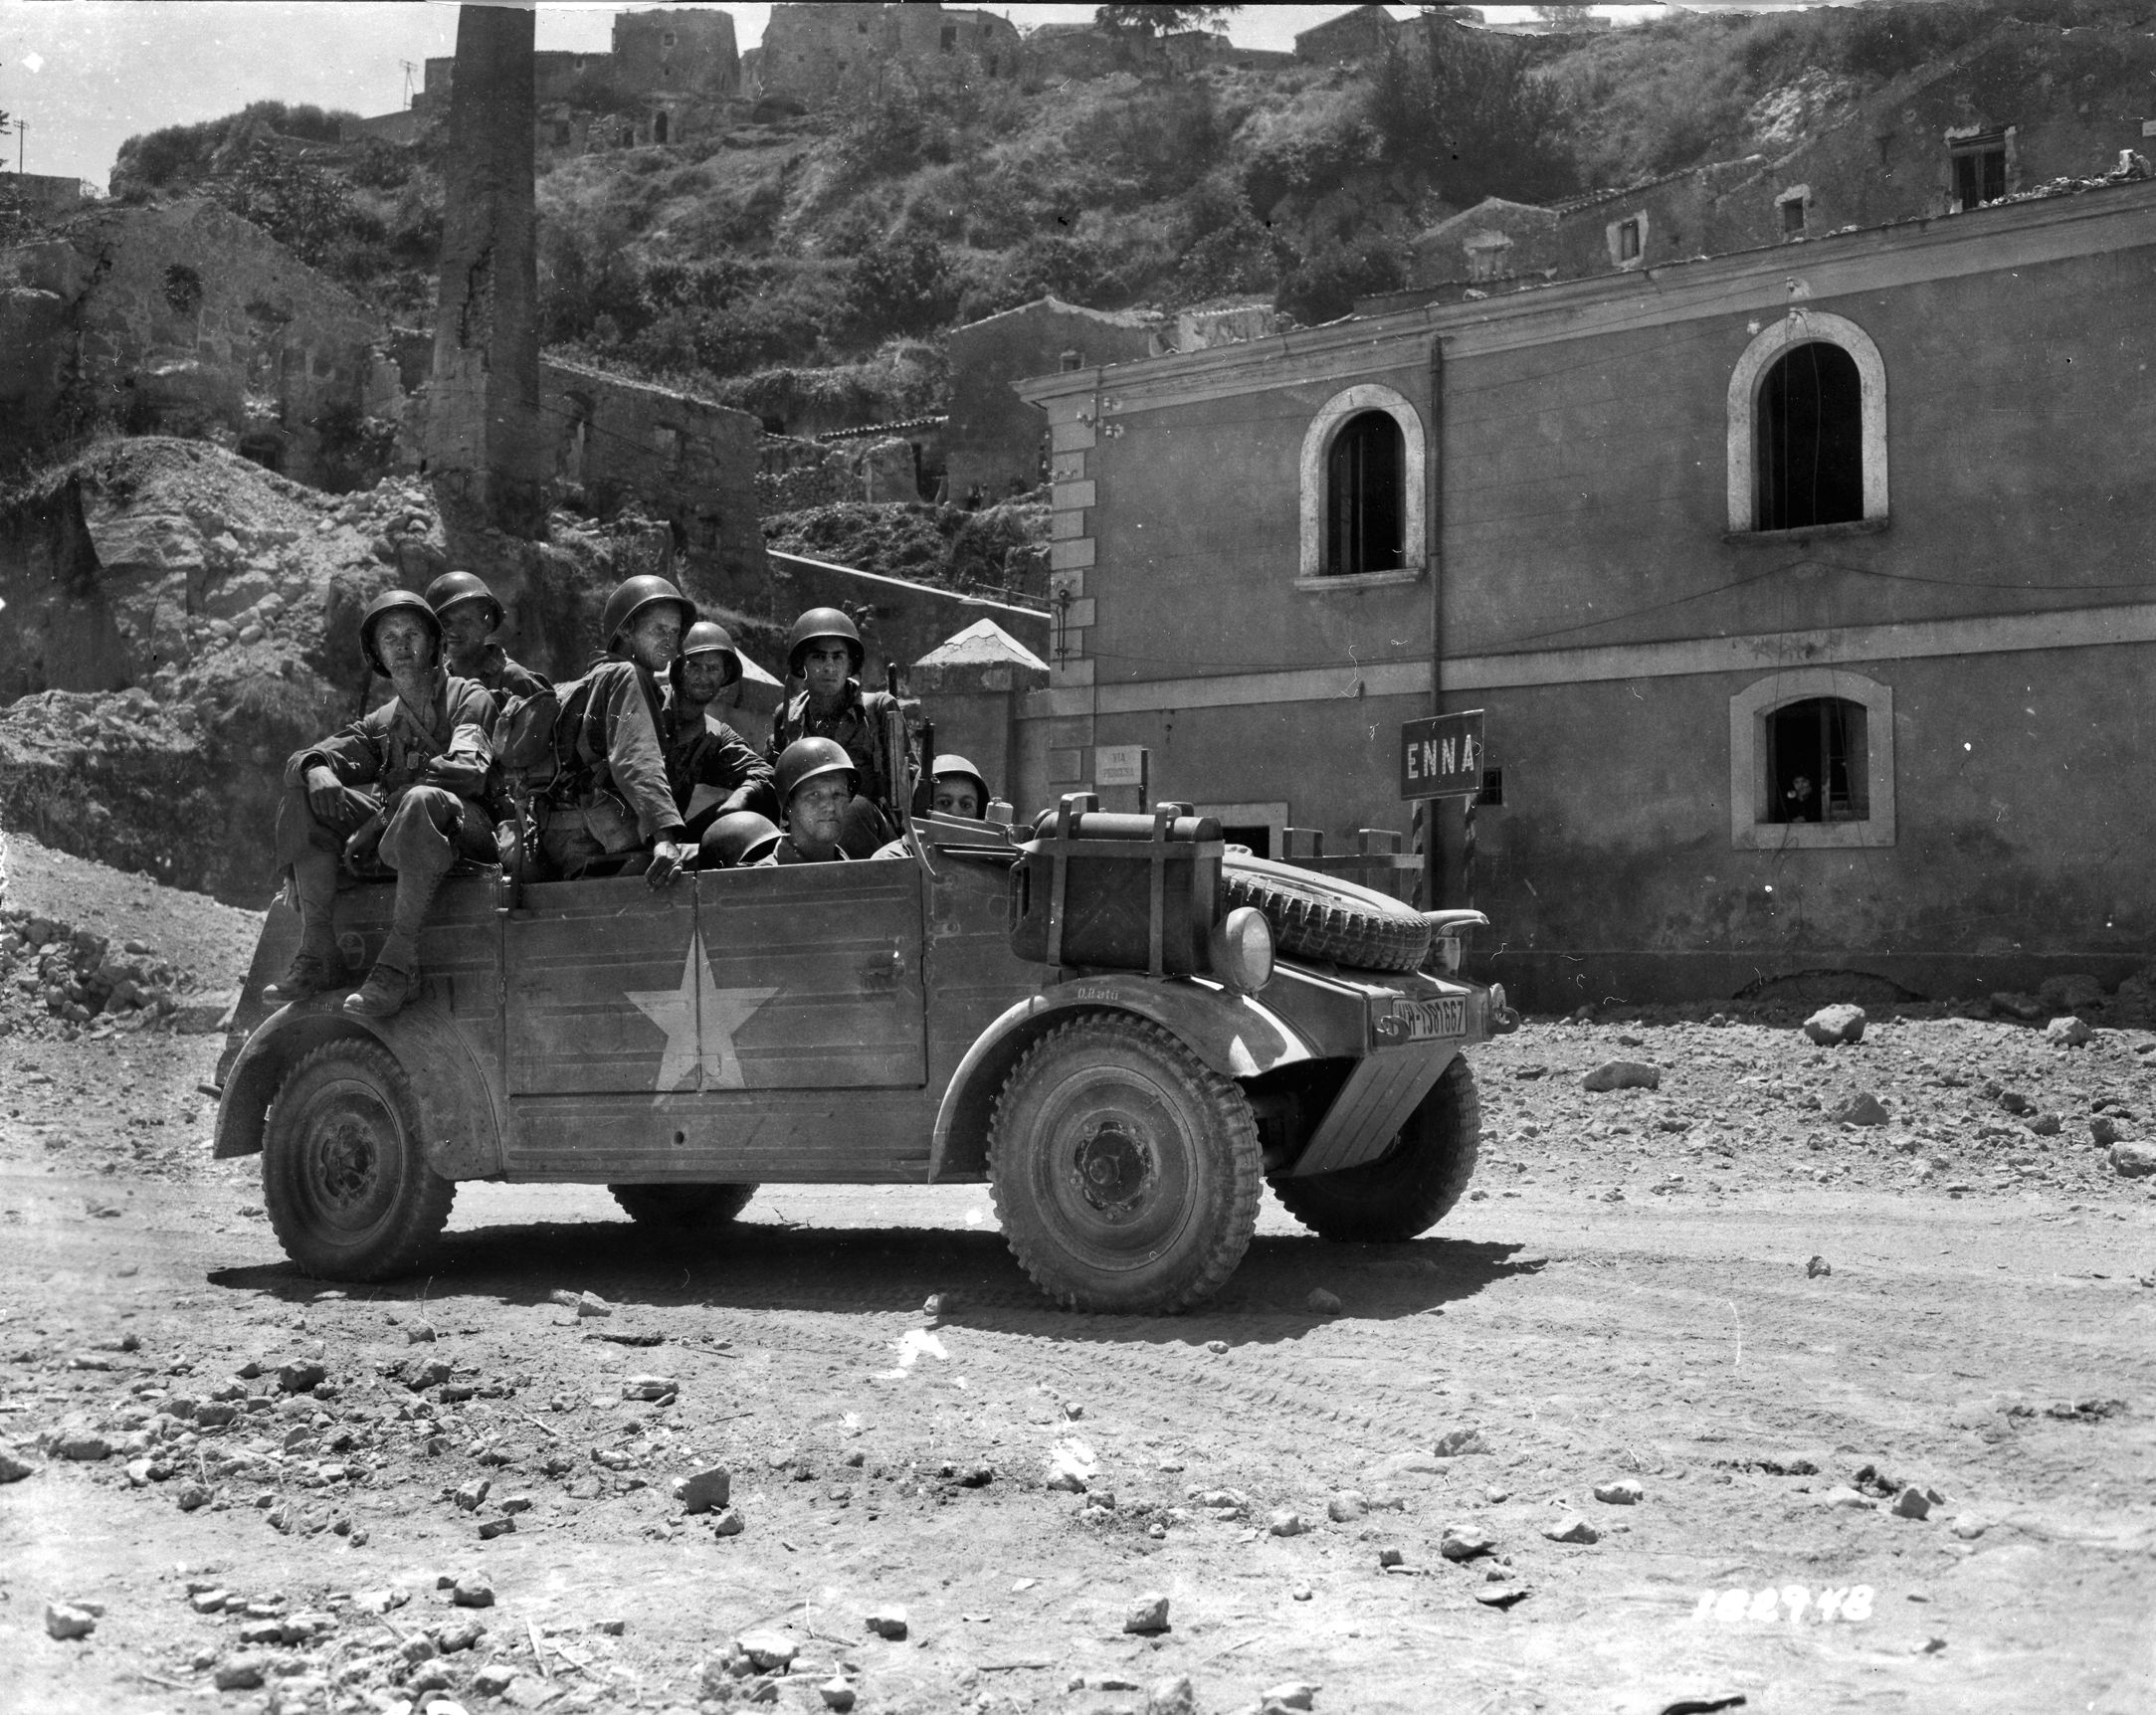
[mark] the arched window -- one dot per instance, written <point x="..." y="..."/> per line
<point x="1363" y="481"/>
<point x="1812" y="761"/>
<point x="1807" y="430"/>
<point x="1808" y="440"/>
<point x="1365" y="511"/>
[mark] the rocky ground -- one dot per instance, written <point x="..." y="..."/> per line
<point x="1704" y="1395"/>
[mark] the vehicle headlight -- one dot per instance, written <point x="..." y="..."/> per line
<point x="1241" y="949"/>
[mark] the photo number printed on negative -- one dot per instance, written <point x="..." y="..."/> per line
<point x="1791" y="1601"/>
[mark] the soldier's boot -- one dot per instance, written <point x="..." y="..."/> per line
<point x="395" y="977"/>
<point x="318" y="966"/>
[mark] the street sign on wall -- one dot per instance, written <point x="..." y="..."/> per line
<point x="1119" y="765"/>
<point x="1442" y="756"/>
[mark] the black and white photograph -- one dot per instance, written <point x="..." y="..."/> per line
<point x="1470" y="1022"/>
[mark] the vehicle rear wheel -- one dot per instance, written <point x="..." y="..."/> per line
<point x="344" y="1175"/>
<point x="1317" y="916"/>
<point x="1125" y="1171"/>
<point x="681" y="1208"/>
<point x="1409" y="1190"/>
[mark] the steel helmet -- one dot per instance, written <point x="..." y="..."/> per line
<point x="451" y="588"/>
<point x="707" y="637"/>
<point x="955" y="767"/>
<point x="742" y="836"/>
<point x="806" y="758"/>
<point x="823" y="622"/>
<point x="385" y="604"/>
<point x="632" y="596"/>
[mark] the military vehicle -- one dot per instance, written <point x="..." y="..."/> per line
<point x="1126" y="1028"/>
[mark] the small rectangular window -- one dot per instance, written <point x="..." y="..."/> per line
<point x="1980" y="170"/>
<point x="950" y="38"/>
<point x="1627" y="240"/>
<point x="1791" y="217"/>
<point x="1816" y="751"/>
<point x="666" y="41"/>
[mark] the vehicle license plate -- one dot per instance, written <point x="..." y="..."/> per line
<point x="1418" y="1021"/>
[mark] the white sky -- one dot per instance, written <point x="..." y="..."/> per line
<point x="87" y="74"/>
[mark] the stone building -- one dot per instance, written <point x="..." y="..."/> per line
<point x="186" y="319"/>
<point x="813" y="54"/>
<point x="1366" y="32"/>
<point x="1802" y="590"/>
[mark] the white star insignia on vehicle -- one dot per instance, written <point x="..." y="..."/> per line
<point x="688" y="1064"/>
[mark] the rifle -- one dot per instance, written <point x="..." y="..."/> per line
<point x="893" y="735"/>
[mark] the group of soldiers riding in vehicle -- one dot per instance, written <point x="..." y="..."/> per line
<point x="643" y="777"/>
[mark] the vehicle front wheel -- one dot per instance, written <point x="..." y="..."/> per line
<point x="1125" y="1171"/>
<point x="1405" y="1193"/>
<point x="345" y="1175"/>
<point x="681" y="1208"/>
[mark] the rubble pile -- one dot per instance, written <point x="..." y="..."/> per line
<point x="56" y="974"/>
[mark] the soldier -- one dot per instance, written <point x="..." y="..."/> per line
<point x="469" y="616"/>
<point x="711" y="767"/>
<point x="823" y="651"/>
<point x="611" y="797"/>
<point x="400" y="791"/>
<point x="816" y="780"/>
<point x="958" y="789"/>
<point x="739" y="840"/>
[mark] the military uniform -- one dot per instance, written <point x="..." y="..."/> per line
<point x="612" y="795"/>
<point x="413" y="786"/>
<point x="711" y="768"/>
<point x="505" y="678"/>
<point x="786" y="852"/>
<point x="855" y="725"/>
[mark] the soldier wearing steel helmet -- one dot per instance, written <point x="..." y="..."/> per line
<point x="824" y="653"/>
<point x="740" y="840"/>
<point x="470" y="615"/>
<point x="400" y="791"/>
<point x="816" y="780"/>
<point x="711" y="768"/>
<point x="957" y="788"/>
<point x="611" y="801"/>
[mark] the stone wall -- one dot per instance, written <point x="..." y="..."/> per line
<point x="816" y="53"/>
<point x="674" y="51"/>
<point x="624" y="444"/>
<point x="994" y="437"/>
<point x="182" y="320"/>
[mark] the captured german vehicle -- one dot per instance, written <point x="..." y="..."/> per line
<point x="1126" y="1028"/>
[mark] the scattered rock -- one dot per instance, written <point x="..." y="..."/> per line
<point x="730" y="1523"/>
<point x="1969" y="1529"/>
<point x="707" y="1490"/>
<point x="2047" y="1124"/>
<point x="240" y="1672"/>
<point x="1389" y="1555"/>
<point x="888" y="1621"/>
<point x="1216" y="1347"/>
<point x="13" y="1466"/>
<point x="1817" y="1267"/>
<point x="1623" y="1492"/>
<point x="1501" y="1595"/>
<point x="2018" y="1006"/>
<point x="1323" y="1302"/>
<point x="1837" y="1024"/>
<point x="2103" y="1131"/>
<point x="1147" y="1614"/>
<point x="1622" y="1074"/>
<point x="1465" y="1542"/>
<point x="1912" y="1503"/>
<point x="836" y="1693"/>
<point x="473" y="1589"/>
<point x="472" y="1494"/>
<point x="767" y="1651"/>
<point x="65" y="1620"/>
<point x="302" y="1376"/>
<point x="1286" y="1522"/>
<point x="1843" y="1496"/>
<point x="1289" y="1694"/>
<point x="1455" y="1444"/>
<point x="2132" y="1160"/>
<point x="492" y="1679"/>
<point x="1572" y="1528"/>
<point x="81" y="1445"/>
<point x="585" y="1304"/>
<point x="1862" y="1109"/>
<point x="1347" y="1507"/>
<point x="1172" y="1697"/>
<point x="2070" y="992"/>
<point x="649" y="1387"/>
<point x="2068" y="1031"/>
<point x="494" y="1527"/>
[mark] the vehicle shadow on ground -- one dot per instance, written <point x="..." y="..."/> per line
<point x="755" y="1265"/>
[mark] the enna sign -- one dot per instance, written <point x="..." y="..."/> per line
<point x="1442" y="757"/>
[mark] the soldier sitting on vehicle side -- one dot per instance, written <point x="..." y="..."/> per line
<point x="400" y="791"/>
<point x="711" y="767"/>
<point x="824" y="652"/>
<point x="815" y="779"/>
<point x="957" y="789"/>
<point x="469" y="616"/>
<point x="610" y="800"/>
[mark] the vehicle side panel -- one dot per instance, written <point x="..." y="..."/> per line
<point x="973" y="975"/>
<point x="766" y="1137"/>
<point x="598" y="996"/>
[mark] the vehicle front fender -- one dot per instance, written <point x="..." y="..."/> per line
<point x="458" y="1110"/>
<point x="1235" y="1035"/>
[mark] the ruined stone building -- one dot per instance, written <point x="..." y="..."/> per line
<point x="186" y="319"/>
<point x="814" y="55"/>
<point x="1802" y="590"/>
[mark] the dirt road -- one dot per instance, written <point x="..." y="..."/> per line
<point x="1992" y="1346"/>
